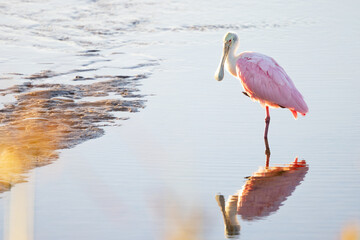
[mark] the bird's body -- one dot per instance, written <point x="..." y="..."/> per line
<point x="265" y="81"/>
<point x="262" y="78"/>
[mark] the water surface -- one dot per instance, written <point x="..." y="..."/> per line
<point x="74" y="71"/>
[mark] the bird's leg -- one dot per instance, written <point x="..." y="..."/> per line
<point x="267" y="122"/>
<point x="267" y="152"/>
<point x="267" y="148"/>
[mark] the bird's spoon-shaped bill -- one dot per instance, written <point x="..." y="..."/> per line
<point x="219" y="74"/>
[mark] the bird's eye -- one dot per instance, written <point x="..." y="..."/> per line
<point x="230" y="40"/>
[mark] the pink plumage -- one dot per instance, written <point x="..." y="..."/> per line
<point x="265" y="81"/>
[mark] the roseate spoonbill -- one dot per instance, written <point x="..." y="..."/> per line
<point x="262" y="78"/>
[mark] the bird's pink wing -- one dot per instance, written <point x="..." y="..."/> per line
<point x="265" y="81"/>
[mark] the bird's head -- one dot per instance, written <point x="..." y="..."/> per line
<point x="230" y="41"/>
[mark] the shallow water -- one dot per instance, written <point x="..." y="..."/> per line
<point x="113" y="126"/>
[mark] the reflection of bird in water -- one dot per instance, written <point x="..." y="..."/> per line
<point x="232" y="226"/>
<point x="263" y="194"/>
<point x="262" y="78"/>
<point x="266" y="190"/>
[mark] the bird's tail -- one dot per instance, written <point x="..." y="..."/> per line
<point x="294" y="113"/>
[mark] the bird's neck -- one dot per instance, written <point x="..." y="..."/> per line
<point x="231" y="61"/>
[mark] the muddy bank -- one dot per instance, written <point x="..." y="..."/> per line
<point x="47" y="117"/>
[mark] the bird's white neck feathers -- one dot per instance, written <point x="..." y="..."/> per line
<point x="232" y="59"/>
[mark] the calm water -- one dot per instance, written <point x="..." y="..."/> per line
<point x="113" y="127"/>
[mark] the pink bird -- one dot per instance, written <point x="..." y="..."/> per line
<point x="262" y="78"/>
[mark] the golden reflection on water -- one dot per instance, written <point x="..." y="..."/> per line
<point x="263" y="194"/>
<point x="180" y="221"/>
<point x="351" y="231"/>
<point x="182" y="226"/>
<point x="27" y="142"/>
